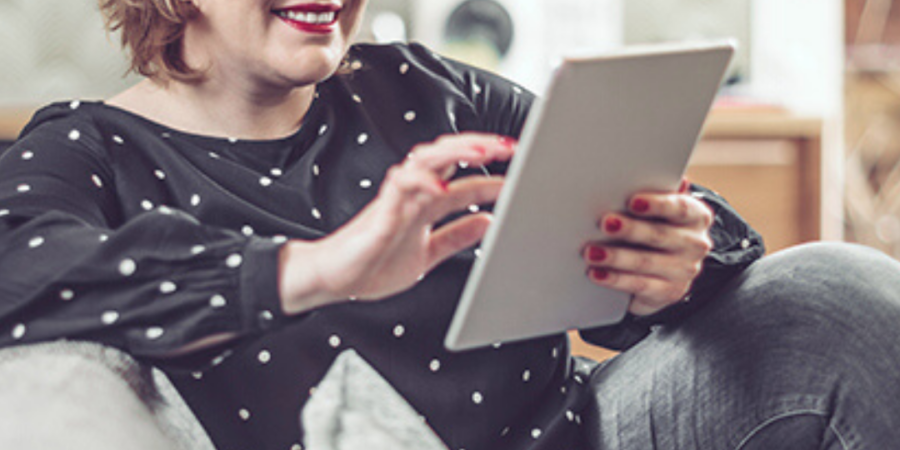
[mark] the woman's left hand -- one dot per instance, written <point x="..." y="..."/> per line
<point x="654" y="251"/>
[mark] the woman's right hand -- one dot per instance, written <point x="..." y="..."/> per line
<point x="391" y="243"/>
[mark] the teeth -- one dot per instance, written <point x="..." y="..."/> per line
<point x="310" y="17"/>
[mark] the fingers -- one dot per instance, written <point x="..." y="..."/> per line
<point x="417" y="191"/>
<point x="462" y="194"/>
<point x="456" y="236"/>
<point x="676" y="208"/>
<point x="442" y="156"/>
<point x="646" y="262"/>
<point x="658" y="235"/>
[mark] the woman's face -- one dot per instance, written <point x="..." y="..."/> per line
<point x="284" y="43"/>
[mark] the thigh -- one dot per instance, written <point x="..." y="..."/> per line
<point x="799" y="352"/>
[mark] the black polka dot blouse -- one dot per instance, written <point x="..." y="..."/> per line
<point x="119" y="230"/>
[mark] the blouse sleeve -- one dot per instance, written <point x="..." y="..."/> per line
<point x="70" y="267"/>
<point x="735" y="246"/>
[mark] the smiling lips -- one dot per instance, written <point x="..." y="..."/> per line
<point x="319" y="18"/>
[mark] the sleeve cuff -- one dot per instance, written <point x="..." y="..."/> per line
<point x="260" y="298"/>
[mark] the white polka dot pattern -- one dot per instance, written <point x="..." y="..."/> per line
<point x="118" y="139"/>
<point x="67" y="295"/>
<point x="109" y="317"/>
<point x="477" y="398"/>
<point x="147" y="205"/>
<point x="217" y="301"/>
<point x="316" y="213"/>
<point x="198" y="249"/>
<point x="264" y="357"/>
<point x="159" y="174"/>
<point x="365" y="183"/>
<point x="536" y="433"/>
<point x="168" y="287"/>
<point x="399" y="331"/>
<point x="434" y="365"/>
<point x="127" y="267"/>
<point x="409" y="116"/>
<point x="247" y="230"/>
<point x="234" y="260"/>
<point x="36" y="242"/>
<point x="334" y="341"/>
<point x="265" y="181"/>
<point x="74" y="135"/>
<point x="362" y="138"/>
<point x="244" y="414"/>
<point x="23" y="188"/>
<point x="18" y="332"/>
<point x="195" y="200"/>
<point x="404" y="68"/>
<point x="154" y="333"/>
<point x="27" y="155"/>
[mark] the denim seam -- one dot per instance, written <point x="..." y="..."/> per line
<point x="840" y="437"/>
<point x="785" y="415"/>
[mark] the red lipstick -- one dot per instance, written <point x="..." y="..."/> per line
<point x="319" y="18"/>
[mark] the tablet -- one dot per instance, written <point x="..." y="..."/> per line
<point x="608" y="126"/>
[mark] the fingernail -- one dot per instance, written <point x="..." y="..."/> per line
<point x="479" y="149"/>
<point x="685" y="185"/>
<point x="640" y="205"/>
<point x="596" y="254"/>
<point x="612" y="225"/>
<point x="599" y="274"/>
<point x="508" y="142"/>
<point x="444" y="184"/>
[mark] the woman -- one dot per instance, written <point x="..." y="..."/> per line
<point x="246" y="213"/>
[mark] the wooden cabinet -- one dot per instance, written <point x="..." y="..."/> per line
<point x="768" y="166"/>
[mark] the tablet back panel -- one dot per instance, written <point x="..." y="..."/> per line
<point x="608" y="127"/>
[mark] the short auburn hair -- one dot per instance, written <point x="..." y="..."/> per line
<point x="152" y="32"/>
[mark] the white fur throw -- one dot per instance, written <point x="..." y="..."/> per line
<point x="83" y="396"/>
<point x="354" y="408"/>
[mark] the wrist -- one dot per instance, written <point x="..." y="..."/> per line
<point x="299" y="284"/>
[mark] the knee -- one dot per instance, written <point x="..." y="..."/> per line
<point x="823" y="292"/>
<point x="822" y="272"/>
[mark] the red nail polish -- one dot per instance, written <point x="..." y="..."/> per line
<point x="599" y="274"/>
<point x="596" y="254"/>
<point x="613" y="225"/>
<point x="640" y="205"/>
<point x="508" y="142"/>
<point x="479" y="149"/>
<point x="685" y="185"/>
<point x="445" y="185"/>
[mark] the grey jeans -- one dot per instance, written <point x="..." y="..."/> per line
<point x="801" y="352"/>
